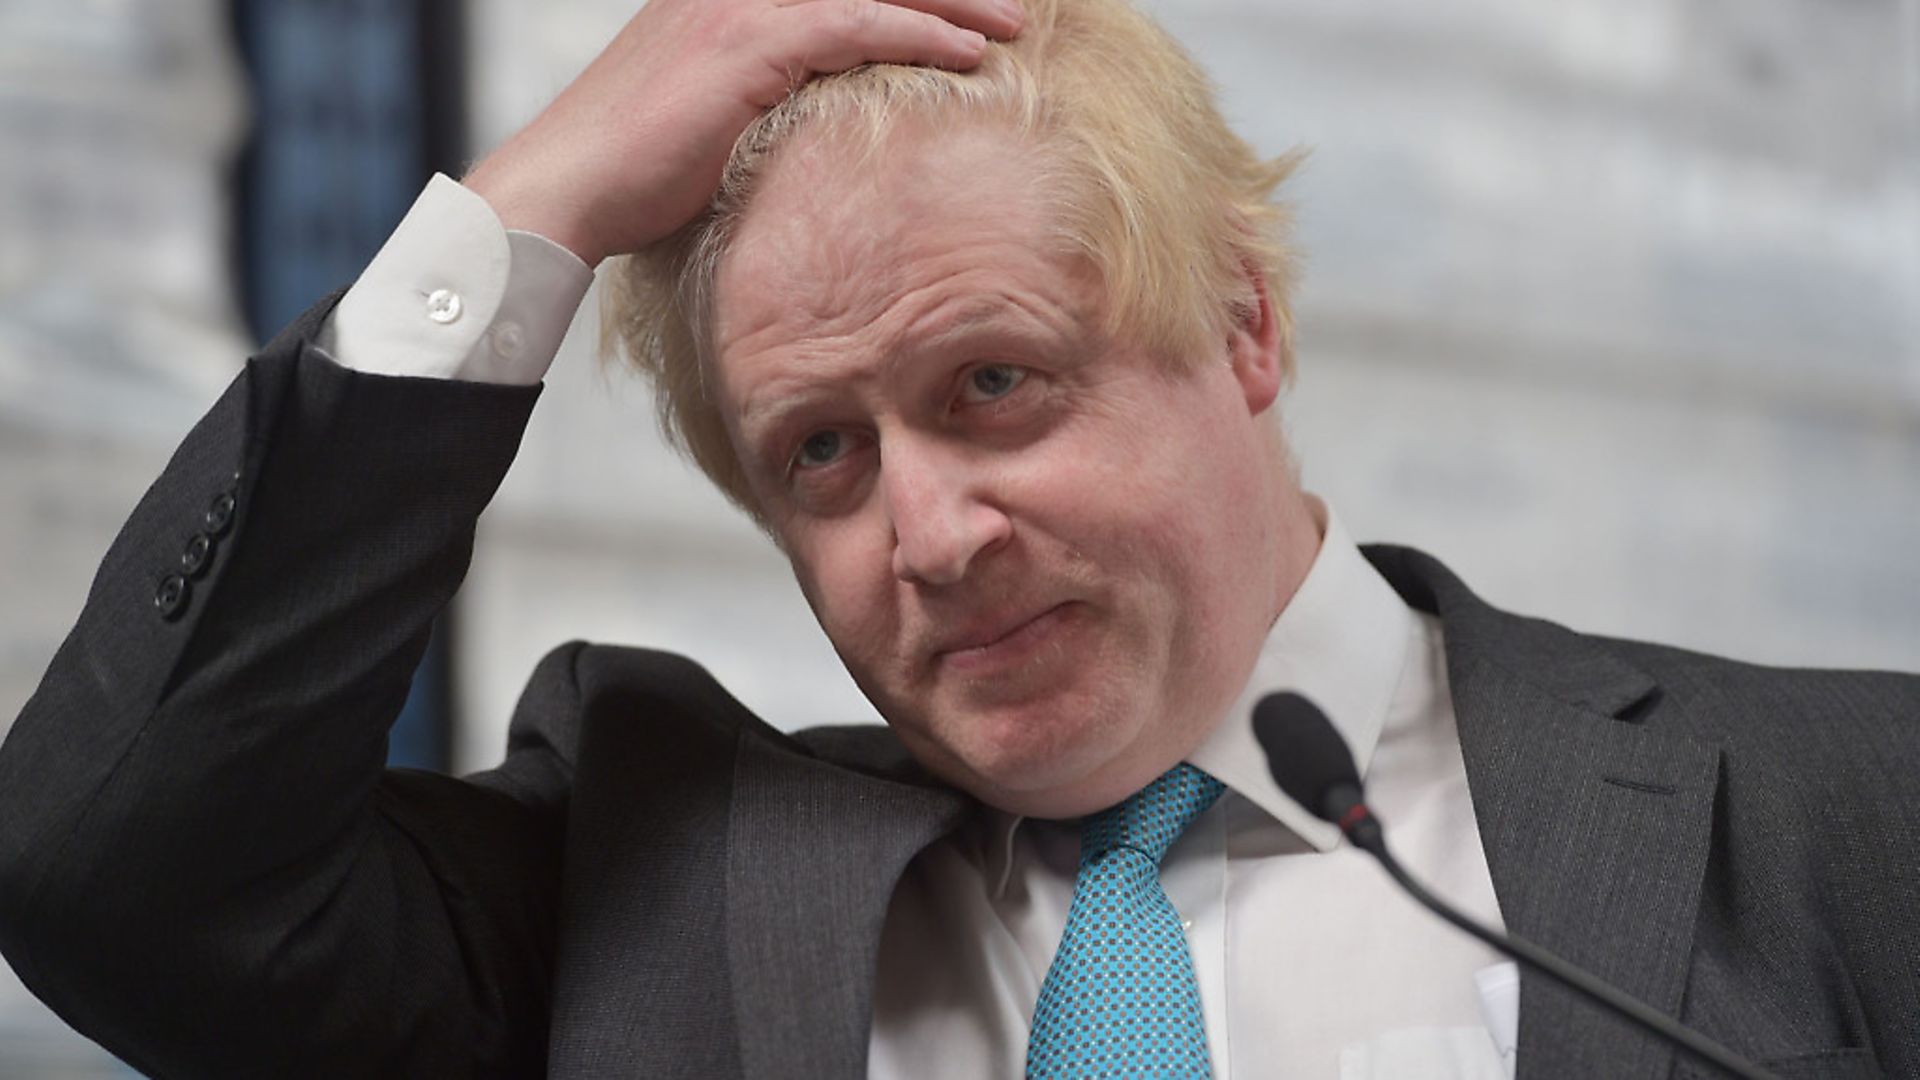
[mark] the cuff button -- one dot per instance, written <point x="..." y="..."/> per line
<point x="444" y="306"/>
<point x="509" y="341"/>
<point x="220" y="514"/>
<point x="171" y="598"/>
<point x="197" y="556"/>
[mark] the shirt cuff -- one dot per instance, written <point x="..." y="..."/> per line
<point x="454" y="295"/>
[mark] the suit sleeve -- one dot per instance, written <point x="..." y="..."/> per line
<point x="203" y="863"/>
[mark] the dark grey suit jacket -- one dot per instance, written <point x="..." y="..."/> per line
<point x="204" y="866"/>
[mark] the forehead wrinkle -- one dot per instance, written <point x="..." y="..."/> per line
<point x="847" y="257"/>
<point x="956" y="318"/>
<point x="820" y="289"/>
<point x="879" y="320"/>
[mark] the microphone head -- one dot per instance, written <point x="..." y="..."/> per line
<point x="1307" y="757"/>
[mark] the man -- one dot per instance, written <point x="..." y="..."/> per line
<point x="992" y="358"/>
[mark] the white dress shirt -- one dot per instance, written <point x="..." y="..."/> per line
<point x="1311" y="963"/>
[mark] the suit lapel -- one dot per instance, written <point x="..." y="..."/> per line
<point x="1596" y="823"/>
<point x="814" y="853"/>
<point x="724" y="885"/>
<point x="1596" y="833"/>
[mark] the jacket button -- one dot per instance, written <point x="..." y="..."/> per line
<point x="220" y="514"/>
<point x="171" y="597"/>
<point x="197" y="556"/>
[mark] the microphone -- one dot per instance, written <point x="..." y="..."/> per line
<point x="1311" y="763"/>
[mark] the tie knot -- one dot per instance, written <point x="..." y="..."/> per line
<point x="1153" y="817"/>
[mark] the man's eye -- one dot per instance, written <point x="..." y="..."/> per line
<point x="820" y="448"/>
<point x="991" y="381"/>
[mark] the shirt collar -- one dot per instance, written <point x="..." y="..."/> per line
<point x="1342" y="642"/>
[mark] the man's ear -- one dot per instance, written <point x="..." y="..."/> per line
<point x="1257" y="344"/>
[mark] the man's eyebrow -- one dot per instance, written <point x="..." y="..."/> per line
<point x="769" y="404"/>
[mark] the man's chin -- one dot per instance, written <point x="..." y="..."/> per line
<point x="1039" y="762"/>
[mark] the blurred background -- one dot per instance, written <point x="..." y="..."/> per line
<point x="1614" y="305"/>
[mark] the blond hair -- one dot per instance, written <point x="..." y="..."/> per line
<point x="1150" y="185"/>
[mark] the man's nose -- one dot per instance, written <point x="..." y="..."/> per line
<point x="942" y="517"/>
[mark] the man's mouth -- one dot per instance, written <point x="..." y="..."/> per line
<point x="1007" y="641"/>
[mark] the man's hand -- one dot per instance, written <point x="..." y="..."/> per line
<point x="634" y="148"/>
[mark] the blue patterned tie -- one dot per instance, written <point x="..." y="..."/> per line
<point x="1120" y="999"/>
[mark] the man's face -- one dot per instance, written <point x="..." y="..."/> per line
<point x="1047" y="558"/>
